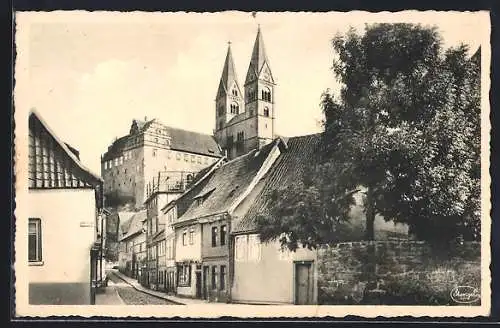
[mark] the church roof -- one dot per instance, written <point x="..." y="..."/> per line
<point x="228" y="75"/>
<point x="259" y="57"/>
<point x="285" y="171"/>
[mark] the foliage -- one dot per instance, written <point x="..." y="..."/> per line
<point x="406" y="127"/>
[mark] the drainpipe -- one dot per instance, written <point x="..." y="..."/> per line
<point x="230" y="255"/>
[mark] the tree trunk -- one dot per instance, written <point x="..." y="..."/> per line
<point x="370" y="215"/>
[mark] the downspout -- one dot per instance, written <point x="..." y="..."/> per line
<point x="230" y="260"/>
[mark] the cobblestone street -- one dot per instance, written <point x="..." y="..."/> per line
<point x="131" y="296"/>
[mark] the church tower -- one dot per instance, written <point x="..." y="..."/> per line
<point x="229" y="100"/>
<point x="259" y="93"/>
<point x="245" y="121"/>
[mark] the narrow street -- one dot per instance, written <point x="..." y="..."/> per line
<point x="119" y="292"/>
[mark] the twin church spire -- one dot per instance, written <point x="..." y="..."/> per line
<point x="245" y="121"/>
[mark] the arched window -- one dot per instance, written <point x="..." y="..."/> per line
<point x="266" y="94"/>
<point x="235" y="92"/>
<point x="266" y="111"/>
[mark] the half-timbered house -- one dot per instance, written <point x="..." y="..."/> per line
<point x="65" y="200"/>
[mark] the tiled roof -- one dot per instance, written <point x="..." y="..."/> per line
<point x="135" y="224"/>
<point x="287" y="169"/>
<point x="124" y="219"/>
<point x="182" y="140"/>
<point x="226" y="184"/>
<point x="185" y="199"/>
<point x="193" y="142"/>
<point x="160" y="235"/>
<point x="73" y="156"/>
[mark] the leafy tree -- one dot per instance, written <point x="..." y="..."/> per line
<point x="406" y="128"/>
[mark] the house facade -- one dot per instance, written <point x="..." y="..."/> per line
<point x="203" y="226"/>
<point x="164" y="189"/>
<point x="134" y="160"/>
<point x="132" y="255"/>
<point x="65" y="200"/>
<point x="264" y="273"/>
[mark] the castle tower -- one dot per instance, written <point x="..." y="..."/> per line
<point x="240" y="129"/>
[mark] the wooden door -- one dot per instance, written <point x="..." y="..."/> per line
<point x="205" y="282"/>
<point x="198" y="284"/>
<point x="303" y="284"/>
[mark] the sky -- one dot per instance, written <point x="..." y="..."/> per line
<point x="90" y="74"/>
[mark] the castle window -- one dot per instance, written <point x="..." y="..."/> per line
<point x="266" y="112"/>
<point x="189" y="178"/>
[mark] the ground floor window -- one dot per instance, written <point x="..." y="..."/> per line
<point x="34" y="240"/>
<point x="184" y="275"/>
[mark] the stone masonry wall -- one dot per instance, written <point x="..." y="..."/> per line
<point x="396" y="272"/>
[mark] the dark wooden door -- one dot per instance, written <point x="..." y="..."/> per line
<point x="205" y="282"/>
<point x="198" y="284"/>
<point x="303" y="290"/>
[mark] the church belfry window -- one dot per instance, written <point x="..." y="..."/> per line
<point x="235" y="108"/>
<point x="266" y="111"/>
<point x="266" y="94"/>
<point x="235" y="92"/>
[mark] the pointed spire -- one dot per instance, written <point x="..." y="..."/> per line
<point x="228" y="74"/>
<point x="259" y="57"/>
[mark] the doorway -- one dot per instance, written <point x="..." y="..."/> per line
<point x="303" y="283"/>
<point x="205" y="282"/>
<point x="198" y="284"/>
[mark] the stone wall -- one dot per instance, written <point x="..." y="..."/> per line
<point x="396" y="272"/>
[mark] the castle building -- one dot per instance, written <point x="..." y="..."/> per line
<point x="134" y="160"/>
<point x="245" y="121"/>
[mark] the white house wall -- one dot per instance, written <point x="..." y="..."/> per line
<point x="68" y="228"/>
